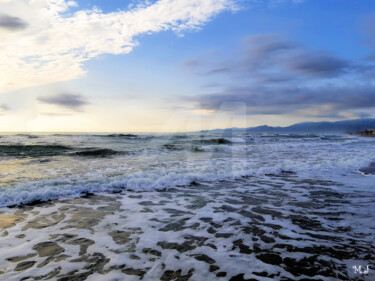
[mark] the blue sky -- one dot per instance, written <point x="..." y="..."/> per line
<point x="172" y="66"/>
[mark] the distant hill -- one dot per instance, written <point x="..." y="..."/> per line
<point x="346" y="126"/>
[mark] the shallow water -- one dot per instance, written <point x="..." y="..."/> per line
<point x="269" y="228"/>
<point x="186" y="207"/>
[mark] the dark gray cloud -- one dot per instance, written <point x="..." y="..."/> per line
<point x="68" y="100"/>
<point x="319" y="64"/>
<point x="281" y="100"/>
<point x="12" y="23"/>
<point x="275" y="58"/>
<point x="274" y="75"/>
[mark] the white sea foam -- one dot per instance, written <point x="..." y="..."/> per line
<point x="236" y="140"/>
<point x="152" y="168"/>
<point x="224" y="205"/>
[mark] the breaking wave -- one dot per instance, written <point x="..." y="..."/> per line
<point x="99" y="152"/>
<point x="33" y="150"/>
<point x="156" y="180"/>
<point x="127" y="136"/>
<point x="46" y="190"/>
<point x="89" y="164"/>
<point x="213" y="141"/>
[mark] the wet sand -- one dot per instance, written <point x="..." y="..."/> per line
<point x="280" y="227"/>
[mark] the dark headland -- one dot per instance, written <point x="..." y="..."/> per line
<point x="345" y="126"/>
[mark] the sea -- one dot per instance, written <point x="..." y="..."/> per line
<point x="187" y="206"/>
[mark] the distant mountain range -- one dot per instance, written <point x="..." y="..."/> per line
<point x="346" y="126"/>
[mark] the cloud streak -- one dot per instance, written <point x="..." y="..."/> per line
<point x="263" y="100"/>
<point x="275" y="54"/>
<point x="57" y="42"/>
<point x="67" y="100"/>
<point x="318" y="64"/>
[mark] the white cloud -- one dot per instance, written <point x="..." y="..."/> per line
<point x="56" y="42"/>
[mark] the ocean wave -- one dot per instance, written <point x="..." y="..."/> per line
<point x="198" y="149"/>
<point x="48" y="150"/>
<point x="98" y="152"/>
<point x="162" y="179"/>
<point x="127" y="136"/>
<point x="290" y="136"/>
<point x="173" y="147"/>
<point x="63" y="135"/>
<point x="27" y="136"/>
<point x="32" y="150"/>
<point x="196" y="145"/>
<point x="86" y="170"/>
<point x="236" y="140"/>
<point x="179" y="137"/>
<point x="46" y="190"/>
<point x="212" y="141"/>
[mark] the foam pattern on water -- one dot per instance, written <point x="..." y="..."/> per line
<point x="85" y="164"/>
<point x="281" y="227"/>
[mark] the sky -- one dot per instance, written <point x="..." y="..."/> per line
<point x="183" y="65"/>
